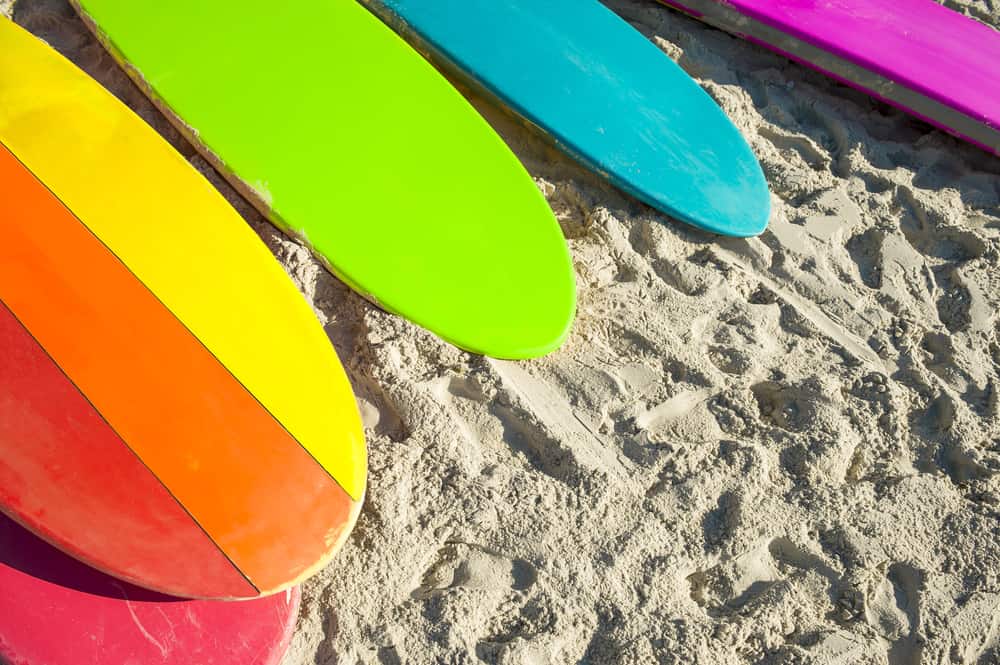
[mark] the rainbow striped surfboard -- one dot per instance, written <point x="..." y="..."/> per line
<point x="171" y="412"/>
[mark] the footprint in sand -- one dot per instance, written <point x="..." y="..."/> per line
<point x="466" y="566"/>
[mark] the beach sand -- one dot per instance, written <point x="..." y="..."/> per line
<point x="778" y="450"/>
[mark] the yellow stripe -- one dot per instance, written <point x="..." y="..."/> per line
<point x="182" y="239"/>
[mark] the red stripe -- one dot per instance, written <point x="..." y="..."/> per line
<point x="64" y="473"/>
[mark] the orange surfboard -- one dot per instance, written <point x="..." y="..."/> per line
<point x="171" y="412"/>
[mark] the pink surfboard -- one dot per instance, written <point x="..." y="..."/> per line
<point x="914" y="54"/>
<point x="57" y="611"/>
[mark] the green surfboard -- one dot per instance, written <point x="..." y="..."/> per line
<point x="345" y="138"/>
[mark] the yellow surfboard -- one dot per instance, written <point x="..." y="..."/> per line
<point x="186" y="424"/>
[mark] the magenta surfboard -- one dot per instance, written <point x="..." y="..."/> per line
<point x="57" y="611"/>
<point x="914" y="54"/>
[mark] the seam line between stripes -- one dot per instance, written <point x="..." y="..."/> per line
<point x="197" y="339"/>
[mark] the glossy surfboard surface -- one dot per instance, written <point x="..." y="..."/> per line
<point x="54" y="610"/>
<point x="171" y="412"/>
<point x="347" y="139"/>
<point x="604" y="94"/>
<point x="915" y="54"/>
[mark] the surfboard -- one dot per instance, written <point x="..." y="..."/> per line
<point x="54" y="610"/>
<point x="171" y="411"/>
<point x="604" y="94"/>
<point x="348" y="140"/>
<point x="914" y="54"/>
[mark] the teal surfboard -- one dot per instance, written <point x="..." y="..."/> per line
<point x="604" y="94"/>
<point x="350" y="141"/>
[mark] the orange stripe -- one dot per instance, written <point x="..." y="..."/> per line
<point x="254" y="490"/>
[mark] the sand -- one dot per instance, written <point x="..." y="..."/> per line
<point x="778" y="450"/>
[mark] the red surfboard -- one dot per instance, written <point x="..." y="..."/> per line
<point x="55" y="610"/>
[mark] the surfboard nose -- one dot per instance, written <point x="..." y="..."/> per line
<point x="604" y="94"/>
<point x="365" y="153"/>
